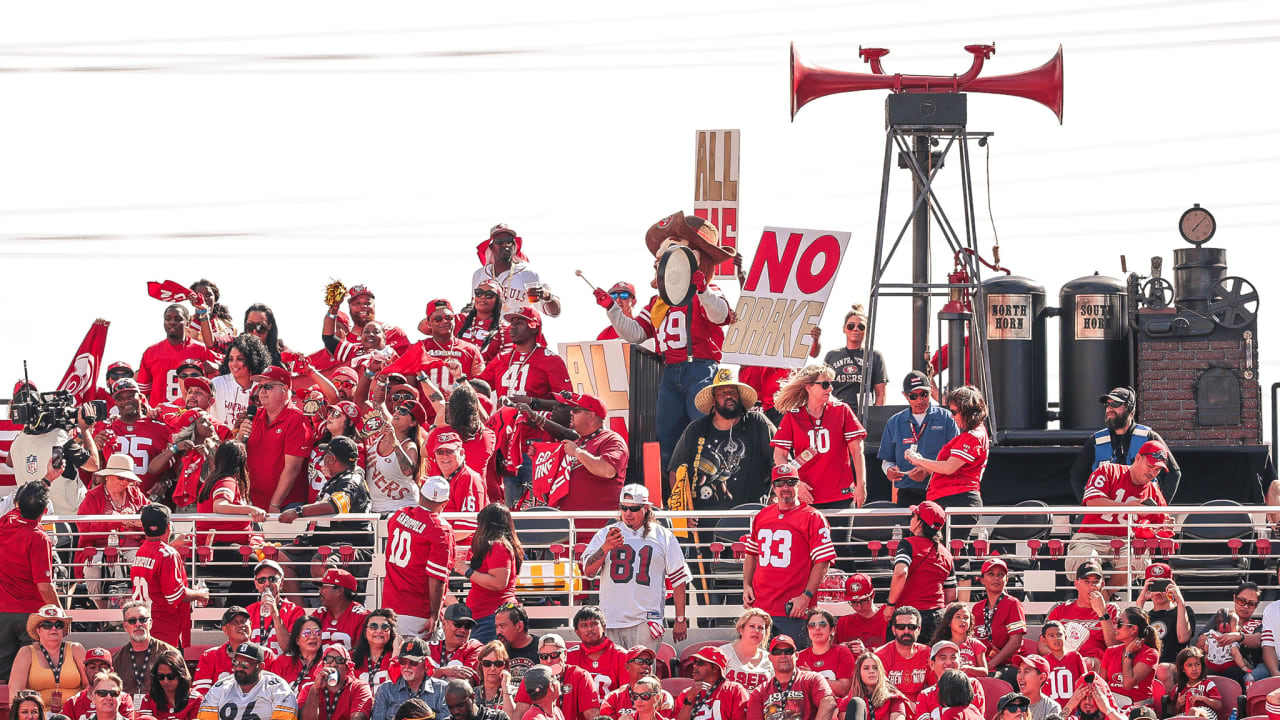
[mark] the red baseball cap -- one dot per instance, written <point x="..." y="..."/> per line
<point x="1156" y="453"/>
<point x="489" y="284"/>
<point x="785" y="470"/>
<point x="532" y="317"/>
<point x="590" y="403"/>
<point x="356" y="291"/>
<point x="1036" y="662"/>
<point x="120" y="365"/>
<point x="623" y="287"/>
<point x="346" y="407"/>
<point x="347" y="372"/>
<point x="200" y="382"/>
<point x="858" y="586"/>
<point x="994" y="562"/>
<point x="98" y="654"/>
<point x="418" y="412"/>
<point x="640" y="650"/>
<point x="339" y="577"/>
<point x="438" y="303"/>
<point x="274" y="374"/>
<point x="713" y="655"/>
<point x="503" y="228"/>
<point x="448" y="439"/>
<point x="1160" y="571"/>
<point x="930" y="513"/>
<point x="781" y="640"/>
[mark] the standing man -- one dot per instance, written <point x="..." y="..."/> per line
<point x="596" y="461"/>
<point x="159" y="578"/>
<point x="906" y="662"/>
<point x="688" y="337"/>
<point x="925" y="427"/>
<point x="641" y="556"/>
<point x="278" y="444"/>
<point x="460" y="358"/>
<point x="503" y="261"/>
<point x="792" y="693"/>
<point x="414" y="682"/>
<point x="1089" y="621"/>
<point x="1000" y="621"/>
<point x="1119" y="443"/>
<point x="711" y="695"/>
<point x="26" y="570"/>
<point x="420" y="553"/>
<point x="138" y="657"/>
<point x="467" y="491"/>
<point x="249" y="691"/>
<point x="157" y="373"/>
<point x="145" y="441"/>
<point x="787" y="555"/>
<point x="527" y="368"/>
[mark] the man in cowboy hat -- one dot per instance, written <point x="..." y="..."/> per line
<point x="688" y="336"/>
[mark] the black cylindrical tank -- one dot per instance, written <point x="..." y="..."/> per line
<point x="1195" y="271"/>
<point x="1094" y="355"/>
<point x="1014" y="317"/>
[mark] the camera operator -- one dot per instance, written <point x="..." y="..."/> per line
<point x="54" y="445"/>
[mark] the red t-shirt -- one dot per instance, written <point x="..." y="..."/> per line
<point x="909" y="675"/>
<point x="588" y="491"/>
<point x="1063" y="675"/>
<point x="186" y="713"/>
<point x="797" y="699"/>
<point x="727" y="702"/>
<point x="266" y="636"/>
<point x="80" y="706"/>
<point x="787" y="544"/>
<point x="484" y="603"/>
<point x="160" y="578"/>
<point x="269" y="442"/>
<point x="478" y="452"/>
<point x="871" y="631"/>
<point x="765" y="381"/>
<point x="835" y="664"/>
<point x="419" y="547"/>
<point x="142" y="440"/>
<point x="464" y="656"/>
<point x="27" y="560"/>
<point x="970" y="651"/>
<point x="467" y="494"/>
<point x="1113" y="482"/>
<point x="537" y="373"/>
<point x="345" y="629"/>
<point x="609" y="670"/>
<point x="1086" y="620"/>
<point x="830" y="472"/>
<point x="679" y="332"/>
<point x="355" y="697"/>
<point x="972" y="447"/>
<point x="157" y="374"/>
<point x="224" y="532"/>
<point x="930" y="571"/>
<point x="1006" y="618"/>
<point x="1113" y="670"/>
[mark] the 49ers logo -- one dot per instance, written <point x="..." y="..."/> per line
<point x="81" y="375"/>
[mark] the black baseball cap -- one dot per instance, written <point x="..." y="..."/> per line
<point x="155" y="519"/>
<point x="1010" y="698"/>
<point x="253" y="651"/>
<point x="412" y="649"/>
<point x="458" y="613"/>
<point x="914" y="381"/>
<point x="1089" y="568"/>
<point x="1121" y="395"/>
<point x="230" y="614"/>
<point x="342" y="448"/>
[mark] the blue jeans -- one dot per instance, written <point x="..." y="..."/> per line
<point x="1259" y="672"/>
<point x="484" y="630"/>
<point x="680" y="385"/>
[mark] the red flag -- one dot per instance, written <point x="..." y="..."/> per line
<point x="8" y="432"/>
<point x="550" y="472"/>
<point x="169" y="291"/>
<point x="82" y="374"/>
<point x="413" y="361"/>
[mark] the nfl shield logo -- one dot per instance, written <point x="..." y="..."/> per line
<point x="33" y="467"/>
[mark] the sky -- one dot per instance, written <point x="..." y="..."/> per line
<point x="272" y="147"/>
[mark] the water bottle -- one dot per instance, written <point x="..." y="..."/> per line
<point x="1233" y="714"/>
<point x="897" y="534"/>
<point x="266" y="597"/>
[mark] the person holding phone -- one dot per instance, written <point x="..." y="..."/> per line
<point x="1173" y="619"/>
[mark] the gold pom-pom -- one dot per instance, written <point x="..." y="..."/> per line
<point x="334" y="292"/>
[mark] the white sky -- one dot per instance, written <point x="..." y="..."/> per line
<point x="271" y="146"/>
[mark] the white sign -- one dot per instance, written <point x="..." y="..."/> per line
<point x="715" y="188"/>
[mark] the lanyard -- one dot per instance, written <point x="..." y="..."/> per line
<point x="330" y="702"/>
<point x="702" y="698"/>
<point x="784" y="692"/>
<point x="304" y="672"/>
<point x="140" y="672"/>
<point x="915" y="434"/>
<point x="57" y="669"/>
<point x="989" y="613"/>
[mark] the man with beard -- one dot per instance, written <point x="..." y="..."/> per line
<point x="503" y="261"/>
<point x="527" y="368"/>
<point x="711" y="695"/>
<point x="138" y="656"/>
<point x="249" y="691"/>
<point x="1119" y="443"/>
<point x="157" y="373"/>
<point x="906" y="662"/>
<point x="461" y="701"/>
<point x="596" y="462"/>
<point x="461" y="358"/>
<point x="361" y="307"/>
<point x="792" y="693"/>
<point x="220" y="662"/>
<point x="925" y="427"/>
<point x="142" y="439"/>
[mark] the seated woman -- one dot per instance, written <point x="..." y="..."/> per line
<point x="52" y="666"/>
<point x="169" y="696"/>
<point x="302" y="656"/>
<point x="957" y="626"/>
<point x="823" y="656"/>
<point x="374" y="653"/>
<point x="748" y="657"/>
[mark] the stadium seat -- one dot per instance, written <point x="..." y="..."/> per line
<point x="685" y="663"/>
<point x="727" y="532"/>
<point x="538" y="534"/>
<point x="1205" y="556"/>
<point x="1230" y="691"/>
<point x="874" y="528"/>
<point x="676" y="685"/>
<point x="1256" y="697"/>
<point x="994" y="688"/>
<point x="4" y="699"/>
<point x="665" y="667"/>
<point x="1012" y="529"/>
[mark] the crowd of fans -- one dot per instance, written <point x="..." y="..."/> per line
<point x="478" y="418"/>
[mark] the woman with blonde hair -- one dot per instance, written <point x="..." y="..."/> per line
<point x="823" y="437"/>
<point x="749" y="655"/>
<point x="871" y="684"/>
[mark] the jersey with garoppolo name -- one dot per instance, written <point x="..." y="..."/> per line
<point x="830" y="472"/>
<point x="835" y="664"/>
<point x="609" y="670"/>
<point x="467" y="494"/>
<point x="160" y="578"/>
<point x="871" y="631"/>
<point x="927" y="701"/>
<point x="537" y="373"/>
<point x="1113" y="482"/>
<point x="344" y="630"/>
<point x="787" y="544"/>
<point x="995" y="621"/>
<point x="157" y="374"/>
<point x="797" y="699"/>
<point x="633" y="578"/>
<point x="971" y="446"/>
<point x="930" y="572"/>
<point x="1082" y="622"/>
<point x="142" y="440"/>
<point x="1060" y="684"/>
<point x="909" y="675"/>
<point x="681" y="332"/>
<point x="726" y="701"/>
<point x="419" y="547"/>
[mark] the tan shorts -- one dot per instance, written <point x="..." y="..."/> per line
<point x="1087" y="546"/>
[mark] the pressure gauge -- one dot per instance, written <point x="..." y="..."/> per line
<point x="1197" y="225"/>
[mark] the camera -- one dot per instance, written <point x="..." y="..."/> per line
<point x="55" y="409"/>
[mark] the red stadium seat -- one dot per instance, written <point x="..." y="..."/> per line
<point x="994" y="689"/>
<point x="676" y="685"/>
<point x="666" y="659"/>
<point x="688" y="652"/>
<point x="1230" y="691"/>
<point x="1256" y="697"/>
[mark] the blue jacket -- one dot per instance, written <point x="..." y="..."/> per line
<point x="900" y="434"/>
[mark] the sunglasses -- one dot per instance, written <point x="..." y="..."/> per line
<point x="1017" y="707"/>
<point x="623" y="295"/>
<point x="824" y="384"/>
<point x="269" y="386"/>
<point x="1125" y="624"/>
<point x="310" y="633"/>
<point x="117" y="374"/>
<point x="342" y="384"/>
<point x="631" y="508"/>
<point x="486" y="294"/>
<point x="1247" y="603"/>
<point x="789" y="482"/>
<point x="906" y="626"/>
<point x="166" y="676"/>
<point x="187" y="375"/>
<point x="257" y="327"/>
<point x="49" y="625"/>
<point x="819" y="624"/>
<point x="1113" y="404"/>
<point x="136" y="620"/>
<point x="401" y="397"/>
<point x="243" y="663"/>
<point x="379" y="626"/>
<point x="410" y="661"/>
<point x="404" y="410"/>
<point x="107" y="693"/>
<point x="855" y="326"/>
<point x="549" y="656"/>
<point x="644" y="695"/>
<point x="783" y="651"/>
<point x="493" y="663"/>
<point x="918" y="395"/>
<point x="335" y="660"/>
<point x="642" y="660"/>
<point x="267" y="579"/>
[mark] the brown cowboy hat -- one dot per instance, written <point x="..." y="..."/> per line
<point x="697" y="233"/>
<point x="48" y="612"/>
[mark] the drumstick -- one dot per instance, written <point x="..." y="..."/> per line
<point x="584" y="279"/>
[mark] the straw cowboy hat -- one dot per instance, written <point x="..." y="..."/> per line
<point x="724" y="378"/>
<point x="48" y="612"/>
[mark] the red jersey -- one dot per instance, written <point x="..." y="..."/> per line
<point x="609" y="670"/>
<point x="766" y="381"/>
<point x="289" y="433"/>
<point x="1063" y="675"/>
<point x="28" y="554"/>
<point x="224" y="532"/>
<point x="578" y="693"/>
<point x="871" y="631"/>
<point x="1082" y="625"/>
<point x="927" y="701"/>
<point x="157" y="374"/>
<point x="484" y="602"/>
<point x="1205" y="687"/>
<point x="728" y="701"/>
<point x="467" y="494"/>
<point x="834" y="664"/>
<point x="396" y="338"/>
<point x="266" y="635"/>
<point x="971" y="446"/>
<point x="995" y="622"/>
<point x="618" y="705"/>
<point x="465" y="353"/>
<point x="1113" y="670"/>
<point x="909" y="675"/>
<point x="930" y="573"/>
<point x="787" y="543"/>
<point x="895" y="704"/>
<point x="1113" y="482"/>
<point x="830" y="472"/>
<point x="797" y="699"/>
<point x="345" y="629"/>
<point x="355" y="697"/>
<point x="537" y="373"/>
<point x="479" y="454"/>
<point x="464" y="656"/>
<point x="142" y="440"/>
<point x="376" y="671"/>
<point x="187" y="713"/>
<point x="588" y="491"/>
<point x="160" y="578"/>
<point x="681" y="332"/>
<point x="215" y="664"/>
<point x="971" y="651"/>
<point x="98" y="533"/>
<point x="419" y="546"/>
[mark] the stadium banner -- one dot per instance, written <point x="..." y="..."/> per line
<point x="715" y="188"/>
<point x="602" y="368"/>
<point x="784" y="296"/>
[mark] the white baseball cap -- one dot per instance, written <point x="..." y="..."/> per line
<point x="634" y="493"/>
<point x="434" y="489"/>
